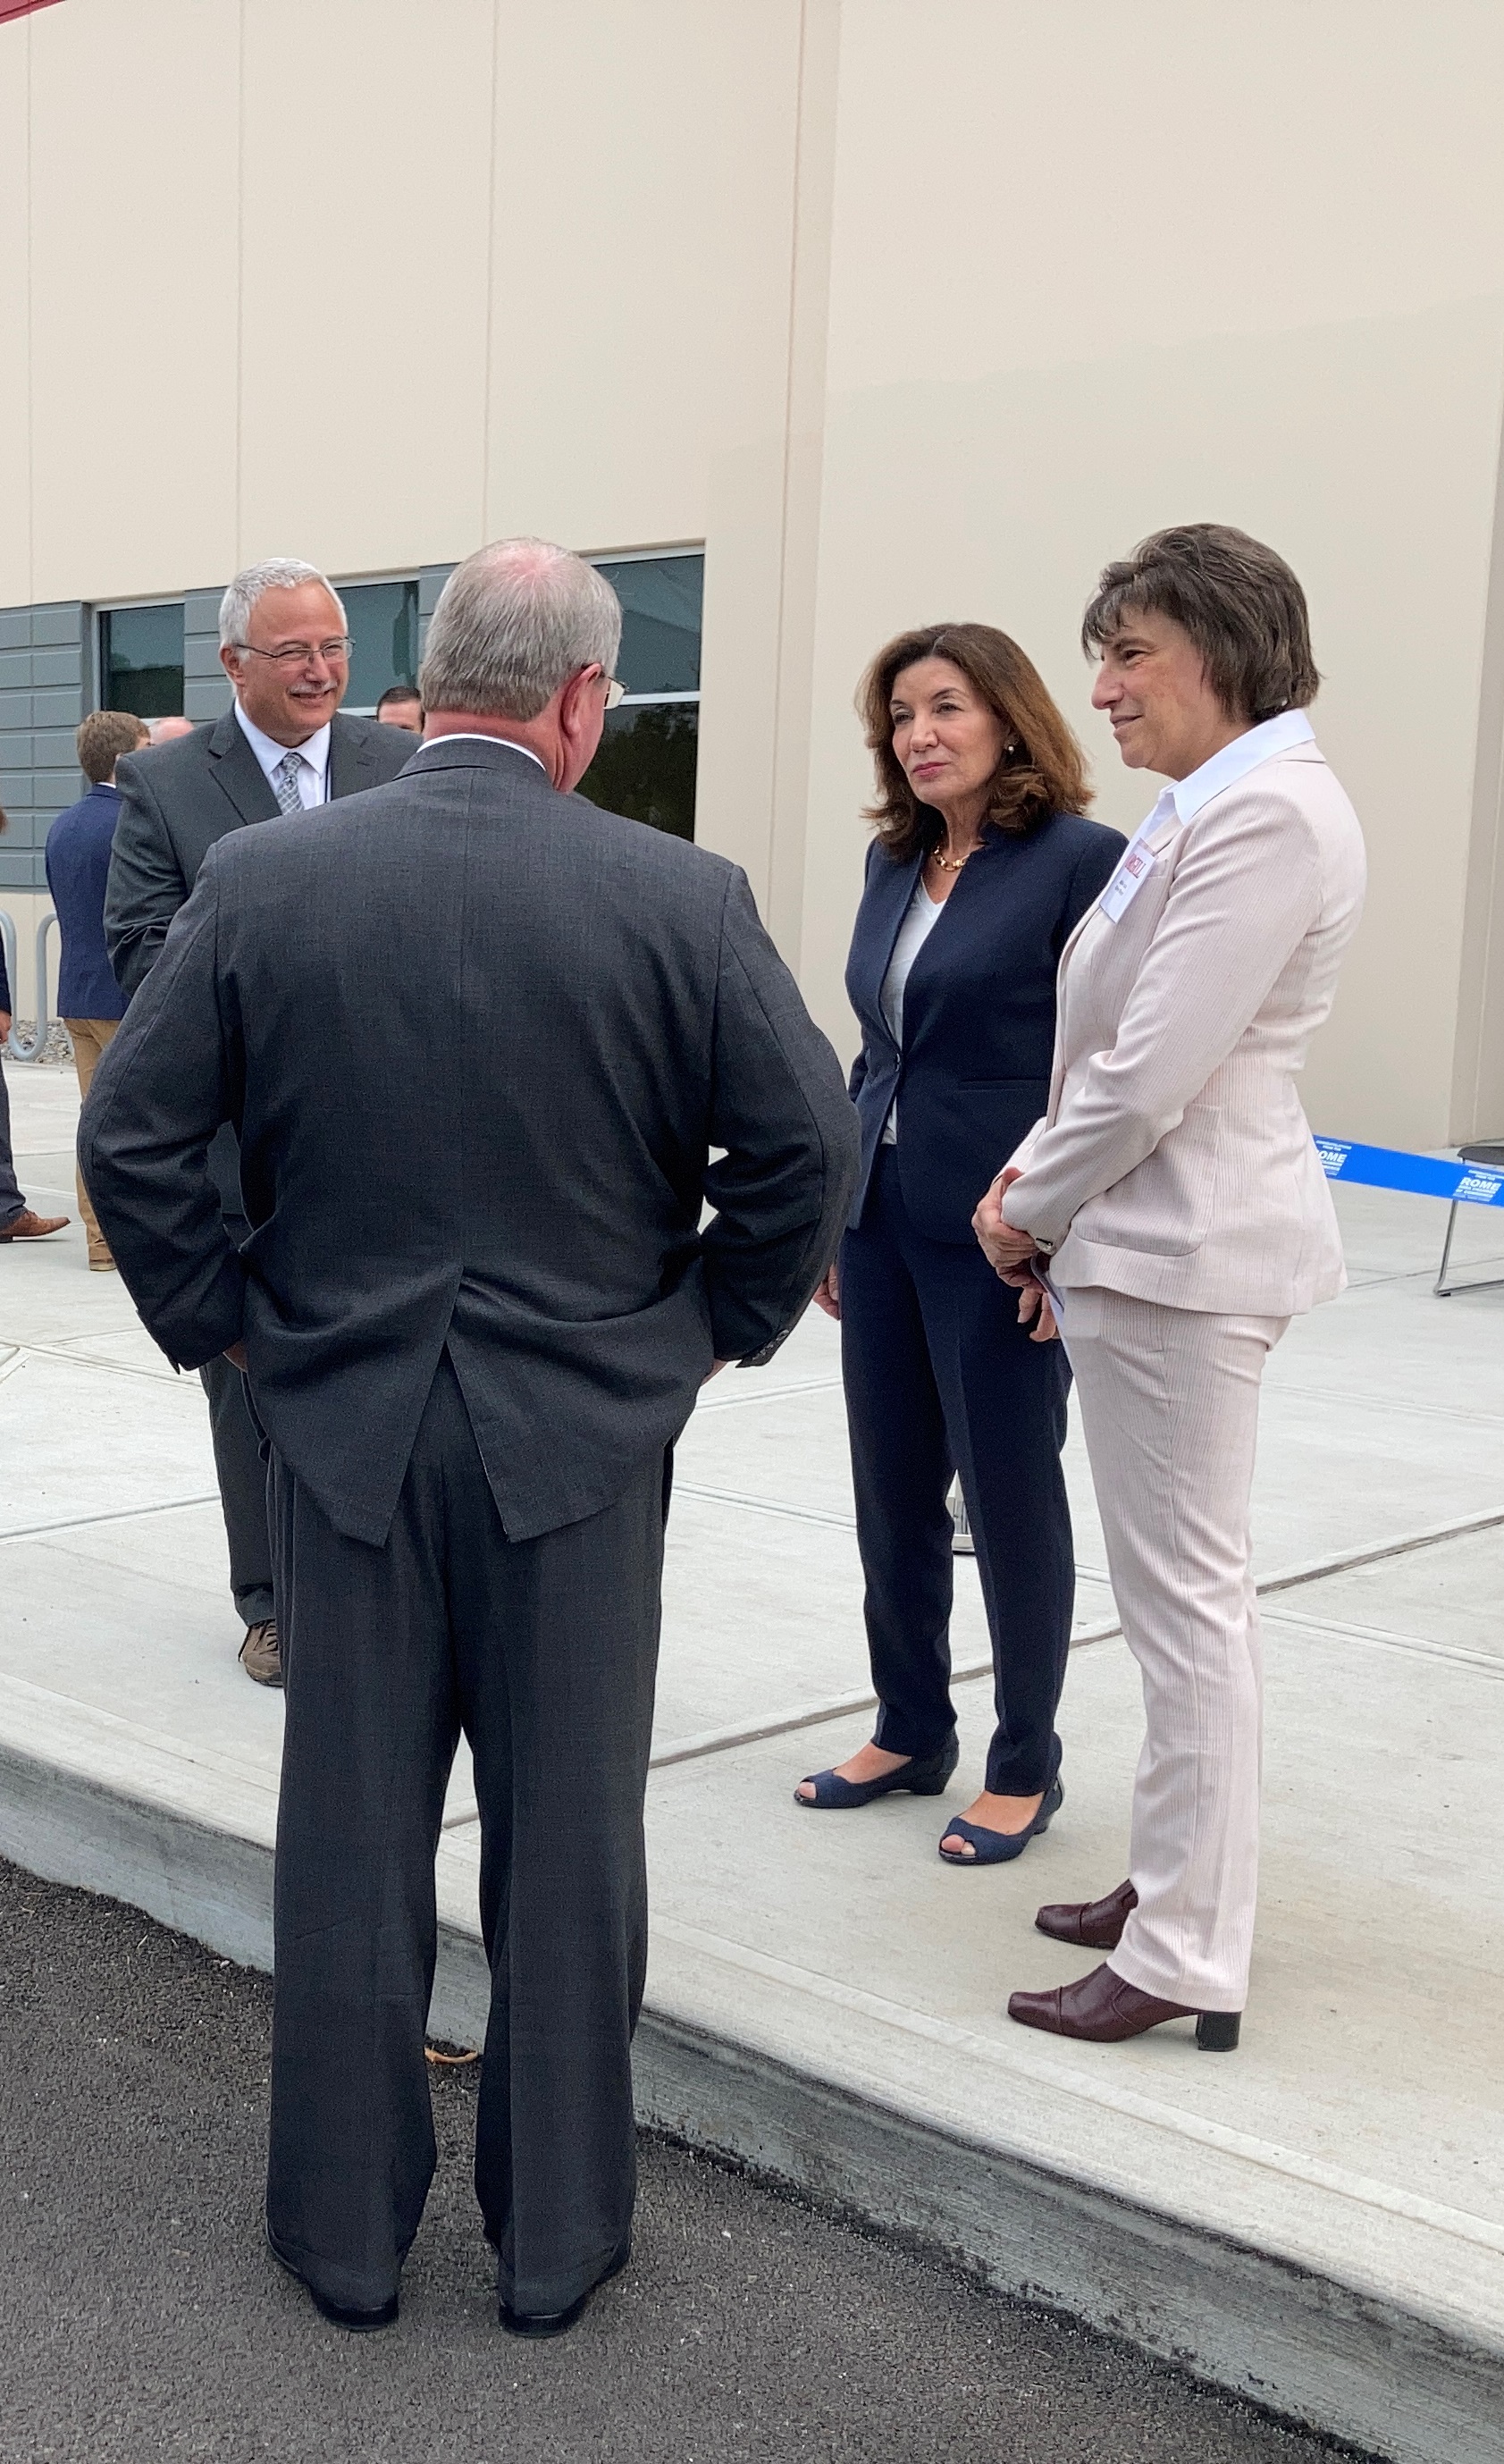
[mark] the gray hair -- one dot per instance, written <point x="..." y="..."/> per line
<point x="274" y="573"/>
<point x="513" y="623"/>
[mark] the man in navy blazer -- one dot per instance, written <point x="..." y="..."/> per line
<point x="89" y="1000"/>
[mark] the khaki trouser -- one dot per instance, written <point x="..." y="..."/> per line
<point x="90" y="1036"/>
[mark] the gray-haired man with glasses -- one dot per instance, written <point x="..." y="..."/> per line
<point x="281" y="748"/>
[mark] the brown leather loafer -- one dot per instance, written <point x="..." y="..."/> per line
<point x="1093" y="1925"/>
<point x="261" y="1653"/>
<point x="1104" y="2008"/>
<point x="27" y="1226"/>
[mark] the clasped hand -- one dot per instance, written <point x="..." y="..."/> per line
<point x="1011" y="1253"/>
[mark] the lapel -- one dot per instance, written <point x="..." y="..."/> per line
<point x="235" y="769"/>
<point x="891" y="889"/>
<point x="1157" y="841"/>
<point x="352" y="765"/>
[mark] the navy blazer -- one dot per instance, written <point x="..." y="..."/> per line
<point x="78" y="867"/>
<point x="978" y="1010"/>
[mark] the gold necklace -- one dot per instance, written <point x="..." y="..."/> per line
<point x="950" y="862"/>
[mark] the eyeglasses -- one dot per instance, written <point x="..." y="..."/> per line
<point x="616" y="693"/>
<point x="298" y="654"/>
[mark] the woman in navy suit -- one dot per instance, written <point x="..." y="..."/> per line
<point x="981" y="867"/>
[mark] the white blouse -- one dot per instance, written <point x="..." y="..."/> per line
<point x="923" y="913"/>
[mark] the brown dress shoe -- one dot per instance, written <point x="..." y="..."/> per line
<point x="1094" y="1925"/>
<point x="1105" y="2008"/>
<point x="27" y="1226"/>
<point x="261" y="1654"/>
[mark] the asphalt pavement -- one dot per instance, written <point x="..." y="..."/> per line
<point x="142" y="2320"/>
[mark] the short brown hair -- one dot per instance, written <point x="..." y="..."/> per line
<point x="1238" y="600"/>
<point x="1043" y="772"/>
<point x="103" y="736"/>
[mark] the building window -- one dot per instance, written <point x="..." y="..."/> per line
<point x="383" y="618"/>
<point x="140" y="659"/>
<point x="646" y="767"/>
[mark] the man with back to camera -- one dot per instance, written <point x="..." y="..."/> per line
<point x="283" y="747"/>
<point x="474" y="1313"/>
<point x="90" y="1001"/>
<point x="402" y="706"/>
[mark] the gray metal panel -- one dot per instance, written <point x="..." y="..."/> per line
<point x="17" y="793"/>
<point x="15" y="708"/>
<point x="431" y="578"/>
<point x="207" y="689"/>
<point x="201" y="657"/>
<point x="16" y="667"/>
<point x="57" y="667"/>
<point x="59" y="705"/>
<point x="58" y="621"/>
<point x="15" y="628"/>
<point x="17" y="752"/>
<point x="20" y="869"/>
<point x="55" y="748"/>
<point x="205" y="699"/>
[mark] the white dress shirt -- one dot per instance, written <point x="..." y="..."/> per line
<point x="313" y="776"/>
<point x="482" y="735"/>
<point x="919" y="922"/>
<point x="1278" y="735"/>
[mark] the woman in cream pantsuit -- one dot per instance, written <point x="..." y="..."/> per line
<point x="1171" y="1207"/>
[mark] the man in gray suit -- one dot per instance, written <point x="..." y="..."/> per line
<point x="474" y="1309"/>
<point x="281" y="748"/>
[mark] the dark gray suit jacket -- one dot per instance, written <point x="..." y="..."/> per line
<point x="181" y="797"/>
<point x="518" y="1169"/>
<point x="179" y="800"/>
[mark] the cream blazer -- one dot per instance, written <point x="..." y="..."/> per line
<point x="1175" y="1162"/>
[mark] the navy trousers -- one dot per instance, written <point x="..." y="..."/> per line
<point x="941" y="1378"/>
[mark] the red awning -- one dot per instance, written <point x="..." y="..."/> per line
<point x="22" y="8"/>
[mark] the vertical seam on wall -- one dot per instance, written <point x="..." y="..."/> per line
<point x="790" y="957"/>
<point x="491" y="277"/>
<point x="31" y="343"/>
<point x="240" y="279"/>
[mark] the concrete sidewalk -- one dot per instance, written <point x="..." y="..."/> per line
<point x="1317" y="2221"/>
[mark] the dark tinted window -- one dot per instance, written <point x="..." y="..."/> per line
<point x="383" y="618"/>
<point x="660" y="598"/>
<point x="646" y="767"/>
<point x="141" y="660"/>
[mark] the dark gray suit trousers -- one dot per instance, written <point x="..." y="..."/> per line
<point x="242" y="1478"/>
<point x="544" y="1652"/>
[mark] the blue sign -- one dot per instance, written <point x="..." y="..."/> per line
<point x="1427" y="1175"/>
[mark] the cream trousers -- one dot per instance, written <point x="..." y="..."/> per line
<point x="1170" y="1405"/>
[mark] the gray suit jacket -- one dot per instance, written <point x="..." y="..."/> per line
<point x="181" y="797"/>
<point x="520" y="1175"/>
<point x="179" y="800"/>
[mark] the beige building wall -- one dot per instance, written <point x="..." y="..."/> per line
<point x="906" y="308"/>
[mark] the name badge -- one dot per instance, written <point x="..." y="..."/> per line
<point x="1126" y="882"/>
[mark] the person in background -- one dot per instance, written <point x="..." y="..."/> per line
<point x="1172" y="1196"/>
<point x="17" y="1220"/>
<point x="90" y="1003"/>
<point x="167" y="731"/>
<point x="981" y="869"/>
<point x="283" y="747"/>
<point x="402" y="706"/>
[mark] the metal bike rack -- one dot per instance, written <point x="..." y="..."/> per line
<point x="28" y="1048"/>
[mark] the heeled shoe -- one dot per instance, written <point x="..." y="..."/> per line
<point x="923" y="1775"/>
<point x="1104" y="2008"/>
<point x="1091" y="1925"/>
<point x="1001" y="1847"/>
